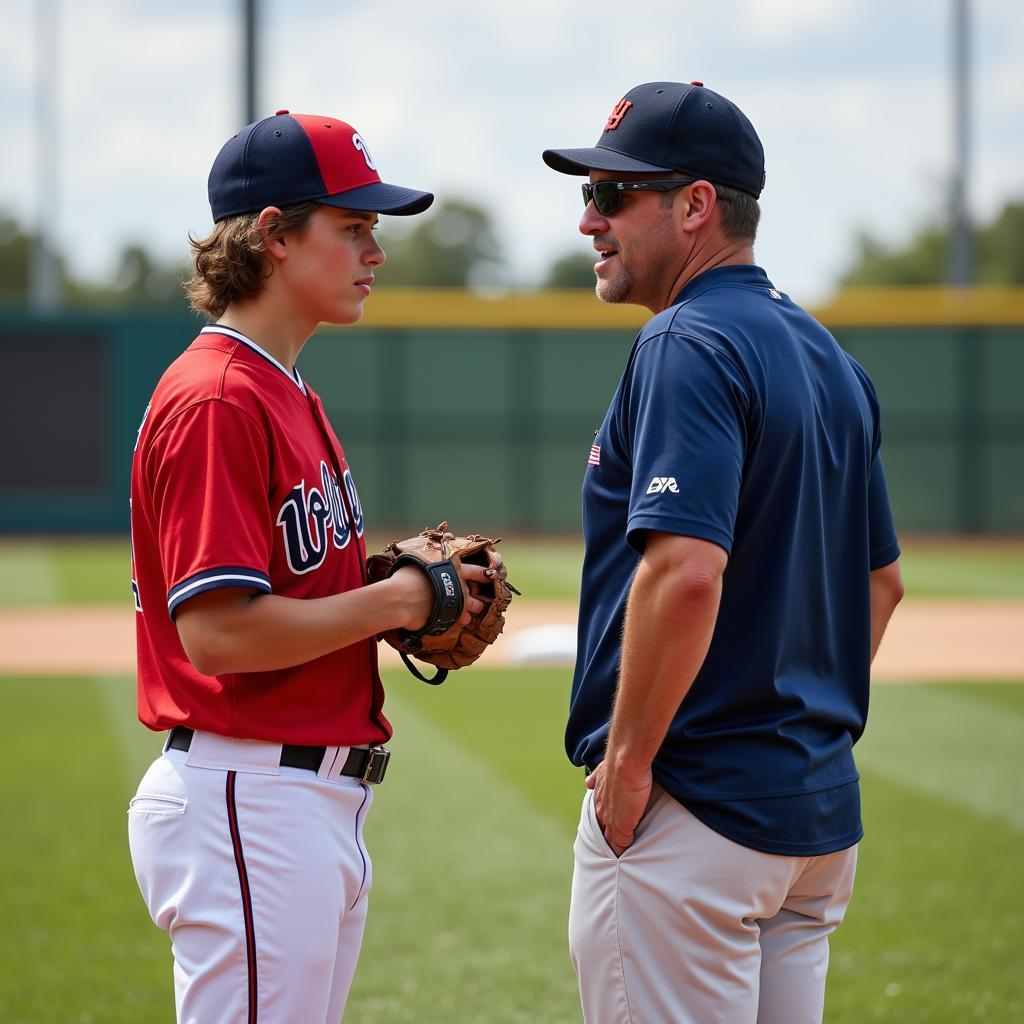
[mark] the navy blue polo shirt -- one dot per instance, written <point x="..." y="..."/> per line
<point x="739" y="420"/>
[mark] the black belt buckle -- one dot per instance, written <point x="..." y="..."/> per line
<point x="376" y="765"/>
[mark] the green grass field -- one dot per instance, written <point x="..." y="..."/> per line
<point x="471" y="837"/>
<point x="471" y="834"/>
<point x="41" y="570"/>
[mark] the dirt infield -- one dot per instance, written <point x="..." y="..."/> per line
<point x="929" y="640"/>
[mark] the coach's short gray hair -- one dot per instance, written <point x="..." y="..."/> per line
<point x="740" y="211"/>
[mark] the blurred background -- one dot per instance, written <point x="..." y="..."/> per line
<point x="894" y="210"/>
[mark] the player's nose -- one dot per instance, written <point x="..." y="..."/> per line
<point x="374" y="255"/>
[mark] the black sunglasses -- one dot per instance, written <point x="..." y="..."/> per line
<point x="607" y="195"/>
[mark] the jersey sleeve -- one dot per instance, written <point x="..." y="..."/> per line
<point x="209" y="472"/>
<point x="884" y="548"/>
<point x="686" y="406"/>
<point x="883" y="545"/>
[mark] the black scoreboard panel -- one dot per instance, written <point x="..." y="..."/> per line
<point x="54" y="411"/>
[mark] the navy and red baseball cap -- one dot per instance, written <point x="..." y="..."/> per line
<point x="299" y="158"/>
<point x="671" y="126"/>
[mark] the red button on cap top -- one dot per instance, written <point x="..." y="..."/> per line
<point x="697" y="83"/>
<point x="280" y="111"/>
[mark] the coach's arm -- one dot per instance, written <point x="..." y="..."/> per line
<point x="886" y="593"/>
<point x="670" y="619"/>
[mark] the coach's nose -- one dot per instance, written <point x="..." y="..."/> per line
<point x="592" y="222"/>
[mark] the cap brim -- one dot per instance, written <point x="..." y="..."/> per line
<point x="583" y="161"/>
<point x="380" y="197"/>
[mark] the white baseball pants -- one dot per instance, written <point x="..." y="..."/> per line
<point x="688" y="927"/>
<point x="259" y="874"/>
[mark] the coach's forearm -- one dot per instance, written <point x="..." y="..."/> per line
<point x="670" y="619"/>
<point x="228" y="631"/>
<point x="886" y="593"/>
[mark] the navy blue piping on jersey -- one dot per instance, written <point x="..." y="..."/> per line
<point x="212" y="579"/>
<point x="243" y="885"/>
<point x="230" y="332"/>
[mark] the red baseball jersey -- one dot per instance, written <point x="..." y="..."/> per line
<point x="239" y="481"/>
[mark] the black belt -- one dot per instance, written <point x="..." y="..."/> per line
<point x="368" y="764"/>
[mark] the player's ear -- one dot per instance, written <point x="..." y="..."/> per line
<point x="273" y="240"/>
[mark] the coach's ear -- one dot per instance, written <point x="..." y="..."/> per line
<point x="273" y="241"/>
<point x="694" y="206"/>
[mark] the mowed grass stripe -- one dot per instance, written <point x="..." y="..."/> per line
<point x="543" y="568"/>
<point x="76" y="571"/>
<point x="471" y="836"/>
<point x="975" y="569"/>
<point x="934" y="932"/>
<point x="77" y="945"/>
<point x="138" y="747"/>
<point x="950" y="742"/>
<point x="469" y="910"/>
<point x="29" y="573"/>
<point x="512" y="720"/>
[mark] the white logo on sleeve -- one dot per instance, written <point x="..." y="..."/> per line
<point x="663" y="485"/>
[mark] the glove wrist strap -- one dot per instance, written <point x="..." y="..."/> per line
<point x="448" y="600"/>
<point x="435" y="680"/>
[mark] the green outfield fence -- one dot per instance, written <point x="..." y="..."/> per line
<point x="455" y="405"/>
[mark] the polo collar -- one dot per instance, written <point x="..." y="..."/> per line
<point x="735" y="275"/>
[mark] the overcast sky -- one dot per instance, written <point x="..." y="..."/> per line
<point x="851" y="99"/>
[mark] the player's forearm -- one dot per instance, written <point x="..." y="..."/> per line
<point x="886" y="593"/>
<point x="670" y="619"/>
<point x="261" y="633"/>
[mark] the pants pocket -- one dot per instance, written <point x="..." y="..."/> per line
<point x="595" y="835"/>
<point x="156" y="803"/>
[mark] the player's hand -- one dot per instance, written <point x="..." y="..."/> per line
<point x="419" y="594"/>
<point x="620" y="799"/>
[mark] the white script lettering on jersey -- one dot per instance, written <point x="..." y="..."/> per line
<point x="663" y="484"/>
<point x="306" y="517"/>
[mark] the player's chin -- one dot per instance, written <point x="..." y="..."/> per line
<point x="347" y="313"/>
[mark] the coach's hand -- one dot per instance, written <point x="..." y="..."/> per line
<point x="621" y="795"/>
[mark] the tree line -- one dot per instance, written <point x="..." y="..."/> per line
<point x="457" y="246"/>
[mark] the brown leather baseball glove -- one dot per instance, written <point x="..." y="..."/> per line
<point x="442" y="641"/>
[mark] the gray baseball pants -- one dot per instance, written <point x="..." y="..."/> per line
<point x="688" y="927"/>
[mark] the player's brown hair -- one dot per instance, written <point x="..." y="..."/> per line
<point x="230" y="263"/>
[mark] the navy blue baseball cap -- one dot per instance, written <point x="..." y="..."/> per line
<point x="299" y="158"/>
<point x="669" y="126"/>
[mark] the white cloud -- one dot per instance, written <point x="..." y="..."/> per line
<point x="787" y="19"/>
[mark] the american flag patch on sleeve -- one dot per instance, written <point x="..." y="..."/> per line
<point x="595" y="455"/>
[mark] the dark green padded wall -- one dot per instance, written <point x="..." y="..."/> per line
<point x="490" y="428"/>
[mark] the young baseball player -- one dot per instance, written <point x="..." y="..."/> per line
<point x="256" y="629"/>
<point x="740" y="567"/>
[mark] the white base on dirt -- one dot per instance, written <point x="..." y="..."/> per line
<point x="553" y="644"/>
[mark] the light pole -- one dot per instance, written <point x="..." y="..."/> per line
<point x="44" y="280"/>
<point x="960" y="269"/>
<point x="250" y="71"/>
